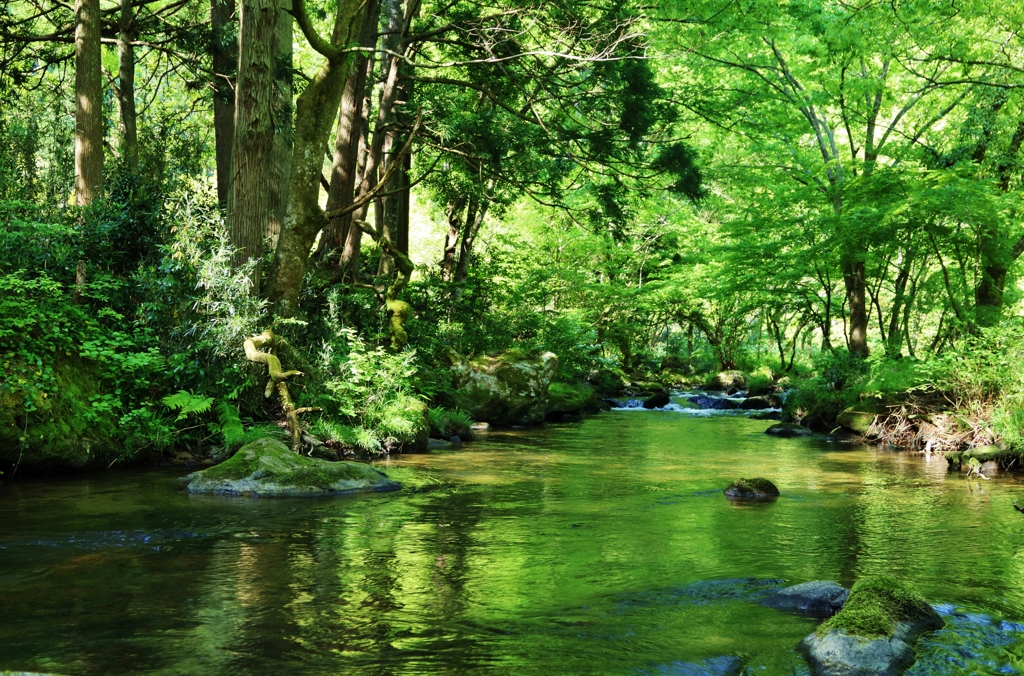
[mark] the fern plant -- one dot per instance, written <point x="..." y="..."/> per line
<point x="186" y="403"/>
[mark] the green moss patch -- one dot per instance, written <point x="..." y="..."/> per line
<point x="755" y="487"/>
<point x="875" y="606"/>
<point x="1006" y="458"/>
<point x="570" y="398"/>
<point x="268" y="467"/>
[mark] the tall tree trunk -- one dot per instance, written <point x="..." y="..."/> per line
<point x="281" y="155"/>
<point x="314" y="115"/>
<point x="353" y="242"/>
<point x="455" y="214"/>
<point x="856" y="298"/>
<point x="88" y="103"/>
<point x="349" y="140"/>
<point x="249" y="202"/>
<point x="895" y="339"/>
<point x="126" y="85"/>
<point x="224" y="45"/>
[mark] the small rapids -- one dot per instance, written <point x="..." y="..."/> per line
<point x="700" y="404"/>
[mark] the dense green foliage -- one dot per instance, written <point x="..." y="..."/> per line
<point x="826" y="196"/>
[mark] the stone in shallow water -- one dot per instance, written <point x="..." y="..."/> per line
<point x="787" y="430"/>
<point x="820" y="598"/>
<point x="657" y="400"/>
<point x="755" y="488"/>
<point x="268" y="468"/>
<point x="874" y="633"/>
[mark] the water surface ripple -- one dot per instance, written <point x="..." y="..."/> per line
<point x="599" y="547"/>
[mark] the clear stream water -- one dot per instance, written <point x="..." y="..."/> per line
<point x="601" y="547"/>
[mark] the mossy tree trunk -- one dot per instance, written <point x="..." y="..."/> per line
<point x="314" y="113"/>
<point x="278" y="379"/>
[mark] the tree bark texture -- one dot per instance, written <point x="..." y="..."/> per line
<point x="314" y="115"/>
<point x="249" y="202"/>
<point x="856" y="298"/>
<point x="345" y="165"/>
<point x="126" y="85"/>
<point x="88" y="103"/>
<point x="224" y="43"/>
<point x="281" y="156"/>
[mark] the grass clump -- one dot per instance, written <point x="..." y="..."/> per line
<point x="875" y="606"/>
<point x="445" y="423"/>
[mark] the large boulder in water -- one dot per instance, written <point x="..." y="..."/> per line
<point x="820" y="598"/>
<point x="874" y="633"/>
<point x="657" y="400"/>
<point x="755" y="404"/>
<point x="268" y="468"/>
<point x="508" y="389"/>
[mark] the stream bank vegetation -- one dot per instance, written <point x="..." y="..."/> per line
<point x="818" y="199"/>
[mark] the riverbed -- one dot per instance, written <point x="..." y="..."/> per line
<point x="599" y="547"/>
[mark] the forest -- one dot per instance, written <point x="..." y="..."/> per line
<point x="362" y="230"/>
<point x="824" y="192"/>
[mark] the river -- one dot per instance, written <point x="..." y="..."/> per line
<point x="604" y="546"/>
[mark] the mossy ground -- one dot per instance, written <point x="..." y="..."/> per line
<point x="875" y="606"/>
<point x="755" y="486"/>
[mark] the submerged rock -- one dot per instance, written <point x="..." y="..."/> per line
<point x="874" y="633"/>
<point x="820" y="598"/>
<point x="658" y="400"/>
<point x="511" y="388"/>
<point x="268" y="468"/>
<point x="755" y="488"/>
<point x="787" y="430"/>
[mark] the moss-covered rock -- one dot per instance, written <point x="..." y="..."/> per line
<point x="756" y="488"/>
<point x="1004" y="458"/>
<point x="727" y="380"/>
<point x="571" y="398"/>
<point x="657" y="400"/>
<point x="508" y="389"/>
<point x="267" y="468"/>
<point x="858" y="419"/>
<point x="607" y="382"/>
<point x="875" y="631"/>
